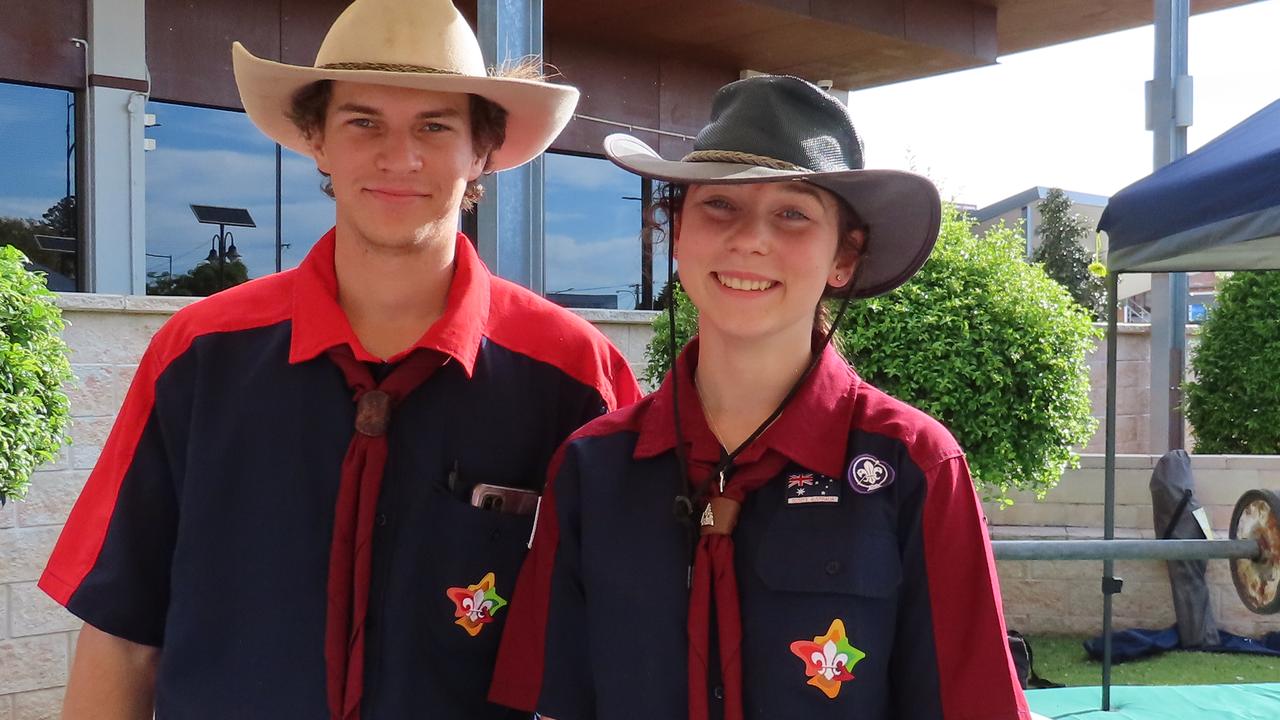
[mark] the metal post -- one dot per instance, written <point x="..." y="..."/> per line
<point x="114" y="191"/>
<point x="1125" y="549"/>
<point x="279" y="224"/>
<point x="222" y="255"/>
<point x="645" y="296"/>
<point x="1029" y="228"/>
<point x="509" y="232"/>
<point x="1169" y="113"/>
<point x="1109" y="500"/>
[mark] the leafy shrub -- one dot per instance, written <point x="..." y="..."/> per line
<point x="33" y="367"/>
<point x="1234" y="401"/>
<point x="658" y="353"/>
<point x="981" y="340"/>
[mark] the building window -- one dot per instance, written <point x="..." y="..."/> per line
<point x="594" y="254"/>
<point x="217" y="159"/>
<point x="306" y="211"/>
<point x="38" y="212"/>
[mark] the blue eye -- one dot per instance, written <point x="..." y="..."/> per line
<point x="435" y="127"/>
<point x="718" y="204"/>
<point x="361" y="122"/>
<point x="794" y="215"/>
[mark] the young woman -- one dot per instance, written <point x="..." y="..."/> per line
<point x="767" y="535"/>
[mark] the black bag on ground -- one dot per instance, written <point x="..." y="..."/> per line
<point x="1172" y="504"/>
<point x="1024" y="664"/>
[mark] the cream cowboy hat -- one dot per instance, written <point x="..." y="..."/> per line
<point x="423" y="44"/>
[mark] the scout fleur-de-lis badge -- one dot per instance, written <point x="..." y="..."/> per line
<point x="804" y="488"/>
<point x="868" y="474"/>
<point x="828" y="659"/>
<point x="475" y="605"/>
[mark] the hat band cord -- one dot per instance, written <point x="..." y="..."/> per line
<point x="386" y="67"/>
<point x="734" y="156"/>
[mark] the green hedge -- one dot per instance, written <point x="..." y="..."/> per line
<point x="33" y="369"/>
<point x="1234" y="401"/>
<point x="981" y="340"/>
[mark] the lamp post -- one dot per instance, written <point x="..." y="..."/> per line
<point x="222" y="248"/>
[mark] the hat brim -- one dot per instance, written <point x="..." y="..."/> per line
<point x="902" y="210"/>
<point x="536" y="111"/>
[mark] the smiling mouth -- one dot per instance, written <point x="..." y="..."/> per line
<point x="395" y="194"/>
<point x="734" y="283"/>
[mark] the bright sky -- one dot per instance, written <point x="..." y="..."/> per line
<point x="1069" y="116"/>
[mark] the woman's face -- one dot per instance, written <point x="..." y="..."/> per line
<point x="756" y="258"/>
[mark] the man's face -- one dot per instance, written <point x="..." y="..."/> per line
<point x="399" y="160"/>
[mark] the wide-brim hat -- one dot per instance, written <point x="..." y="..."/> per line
<point x="772" y="128"/>
<point x="423" y="44"/>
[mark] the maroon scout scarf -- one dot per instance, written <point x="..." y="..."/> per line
<point x="714" y="575"/>
<point x="351" y="555"/>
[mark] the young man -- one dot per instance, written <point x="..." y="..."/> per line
<point x="317" y="494"/>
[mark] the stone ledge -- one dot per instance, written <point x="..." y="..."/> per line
<point x="162" y="305"/>
<point x="127" y="304"/>
<point x="1060" y="532"/>
<point x="615" y="317"/>
<point x="1097" y="461"/>
<point x="1125" y="329"/>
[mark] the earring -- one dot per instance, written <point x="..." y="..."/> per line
<point x="839" y="277"/>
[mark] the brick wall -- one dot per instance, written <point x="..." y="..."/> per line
<point x="107" y="335"/>
<point x="1133" y="388"/>
<point x="1064" y="596"/>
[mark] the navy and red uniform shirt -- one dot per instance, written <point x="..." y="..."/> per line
<point x="205" y="528"/>
<point x="865" y="574"/>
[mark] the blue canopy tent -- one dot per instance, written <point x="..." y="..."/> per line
<point x="1217" y="208"/>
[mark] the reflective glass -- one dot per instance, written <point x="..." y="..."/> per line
<point x="594" y="254"/>
<point x="38" y="180"/>
<point x="207" y="157"/>
<point x="308" y="213"/>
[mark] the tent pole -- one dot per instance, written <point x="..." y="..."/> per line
<point x="1109" y="583"/>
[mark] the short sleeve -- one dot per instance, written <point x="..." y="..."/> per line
<point x="111" y="564"/>
<point x="950" y="619"/>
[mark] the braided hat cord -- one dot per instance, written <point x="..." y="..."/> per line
<point x="733" y="156"/>
<point x="386" y="67"/>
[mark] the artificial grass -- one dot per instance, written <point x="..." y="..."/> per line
<point x="1063" y="659"/>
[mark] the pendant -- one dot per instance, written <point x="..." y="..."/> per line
<point x="708" y="517"/>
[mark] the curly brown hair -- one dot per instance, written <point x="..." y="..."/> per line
<point x="310" y="106"/>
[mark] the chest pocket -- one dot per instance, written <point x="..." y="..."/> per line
<point x="809" y="556"/>
<point x="470" y="542"/>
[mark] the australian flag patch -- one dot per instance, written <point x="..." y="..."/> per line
<point x="805" y="487"/>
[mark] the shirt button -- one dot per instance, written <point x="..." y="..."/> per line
<point x="380" y="519"/>
<point x="718" y="692"/>
<point x="833" y="567"/>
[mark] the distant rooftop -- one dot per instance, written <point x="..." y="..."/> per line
<point x="1032" y="196"/>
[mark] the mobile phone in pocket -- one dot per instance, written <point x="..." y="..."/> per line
<point x="509" y="500"/>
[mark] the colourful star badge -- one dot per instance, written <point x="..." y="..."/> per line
<point x="476" y="604"/>
<point x="828" y="659"/>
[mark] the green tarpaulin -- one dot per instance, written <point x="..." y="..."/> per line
<point x="1179" y="702"/>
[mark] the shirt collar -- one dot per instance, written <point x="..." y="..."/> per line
<point x="803" y="432"/>
<point x="319" y="322"/>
